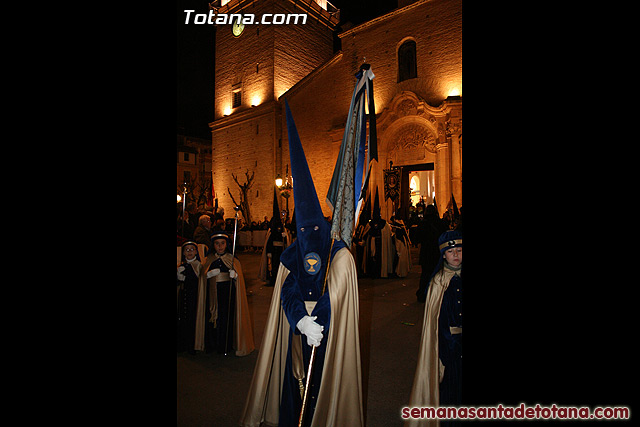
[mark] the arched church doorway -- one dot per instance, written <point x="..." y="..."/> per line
<point x="422" y="143"/>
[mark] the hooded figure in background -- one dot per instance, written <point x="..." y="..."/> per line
<point x="378" y="250"/>
<point x="276" y="240"/>
<point x="438" y="377"/>
<point x="400" y="238"/>
<point x="302" y="316"/>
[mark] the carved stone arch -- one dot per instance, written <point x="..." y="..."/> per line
<point x="411" y="132"/>
<point x="409" y="127"/>
<point x="410" y="140"/>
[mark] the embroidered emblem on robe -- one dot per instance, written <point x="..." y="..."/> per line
<point x="312" y="263"/>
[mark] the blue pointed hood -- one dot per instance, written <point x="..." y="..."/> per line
<point x="306" y="258"/>
<point x="304" y="192"/>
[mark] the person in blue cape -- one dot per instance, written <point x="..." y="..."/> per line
<point x="438" y="377"/>
<point x="302" y="316"/>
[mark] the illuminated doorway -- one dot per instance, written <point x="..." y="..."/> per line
<point x="422" y="186"/>
<point x="417" y="182"/>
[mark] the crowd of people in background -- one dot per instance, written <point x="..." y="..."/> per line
<point x="198" y="224"/>
<point x="213" y="312"/>
<point x="374" y="237"/>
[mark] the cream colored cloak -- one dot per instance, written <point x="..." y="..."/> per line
<point x="340" y="395"/>
<point x="243" y="333"/>
<point x="404" y="258"/>
<point x="426" y="382"/>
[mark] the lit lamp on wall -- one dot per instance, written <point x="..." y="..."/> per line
<point x="454" y="94"/>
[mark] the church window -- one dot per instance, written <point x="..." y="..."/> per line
<point x="407" y="64"/>
<point x="237" y="98"/>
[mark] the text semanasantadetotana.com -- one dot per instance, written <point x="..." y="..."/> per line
<point x="522" y="412"/>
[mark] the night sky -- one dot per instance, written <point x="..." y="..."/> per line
<point x="196" y="62"/>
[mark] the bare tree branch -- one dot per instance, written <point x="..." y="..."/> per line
<point x="244" y="193"/>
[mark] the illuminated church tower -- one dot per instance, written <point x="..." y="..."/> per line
<point x="255" y="64"/>
<point x="415" y="52"/>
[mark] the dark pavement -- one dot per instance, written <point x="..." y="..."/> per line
<point x="212" y="388"/>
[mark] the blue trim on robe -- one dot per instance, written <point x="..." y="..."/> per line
<point x="450" y="345"/>
<point x="292" y="295"/>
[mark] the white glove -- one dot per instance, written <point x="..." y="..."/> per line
<point x="181" y="277"/>
<point x="213" y="273"/>
<point x="233" y="274"/>
<point x="311" y="329"/>
<point x="269" y="255"/>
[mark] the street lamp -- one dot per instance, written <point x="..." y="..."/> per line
<point x="285" y="188"/>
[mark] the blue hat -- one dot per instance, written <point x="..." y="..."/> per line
<point x="306" y="258"/>
<point x="448" y="240"/>
<point x="220" y="234"/>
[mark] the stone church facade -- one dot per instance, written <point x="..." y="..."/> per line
<point x="415" y="52"/>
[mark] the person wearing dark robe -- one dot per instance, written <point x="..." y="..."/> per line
<point x="228" y="299"/>
<point x="402" y="245"/>
<point x="375" y="249"/>
<point x="202" y="232"/>
<point x="438" y="378"/>
<point x="275" y="245"/>
<point x="303" y="314"/>
<point x="276" y="240"/>
<point x="430" y="229"/>
<point x="360" y="236"/>
<point x="188" y="272"/>
<point x="185" y="226"/>
<point x="291" y="227"/>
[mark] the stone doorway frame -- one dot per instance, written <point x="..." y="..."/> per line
<point x="410" y="132"/>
